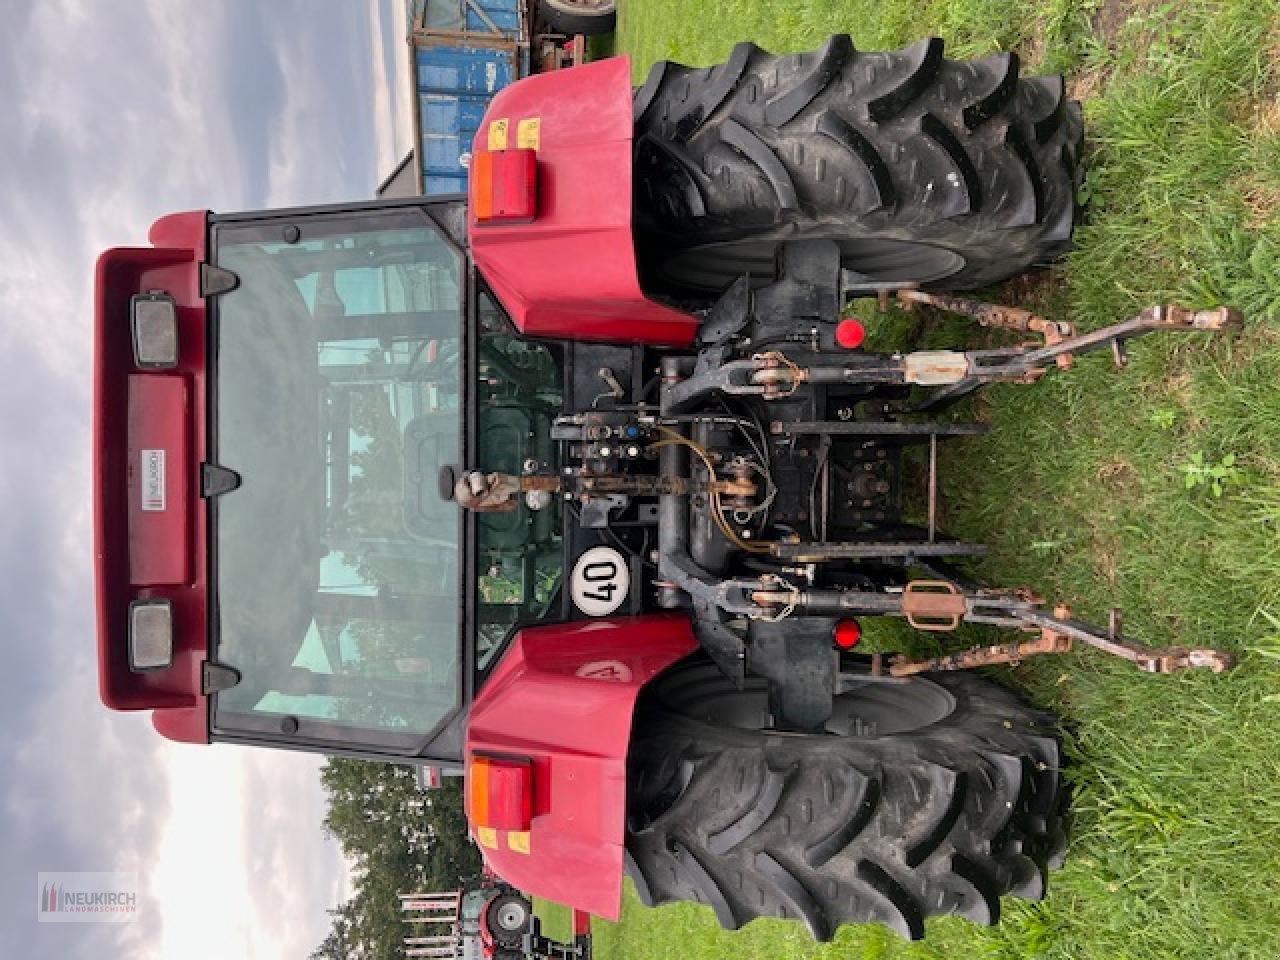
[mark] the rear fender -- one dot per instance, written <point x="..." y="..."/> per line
<point x="563" y="697"/>
<point x="571" y="272"/>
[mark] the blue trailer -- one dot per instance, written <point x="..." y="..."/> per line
<point x="462" y="52"/>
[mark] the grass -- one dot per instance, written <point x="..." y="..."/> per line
<point x="1081" y="488"/>
<point x="557" y="919"/>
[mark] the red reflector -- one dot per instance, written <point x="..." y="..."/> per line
<point x="504" y="186"/>
<point x="850" y="333"/>
<point x="848" y="633"/>
<point x="501" y="793"/>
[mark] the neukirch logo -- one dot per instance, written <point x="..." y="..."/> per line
<point x="87" y="897"/>
<point x="153" y="486"/>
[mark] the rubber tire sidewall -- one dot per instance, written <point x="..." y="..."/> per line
<point x="589" y="24"/>
<point x="510" y="939"/>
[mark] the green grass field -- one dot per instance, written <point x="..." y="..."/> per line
<point x="1097" y="487"/>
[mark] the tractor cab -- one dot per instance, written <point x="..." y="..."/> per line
<point x="349" y="356"/>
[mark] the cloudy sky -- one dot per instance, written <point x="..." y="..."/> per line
<point x="113" y="112"/>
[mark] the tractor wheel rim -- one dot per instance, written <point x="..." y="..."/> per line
<point x="511" y="917"/>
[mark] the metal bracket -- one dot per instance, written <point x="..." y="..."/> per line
<point x="215" y="281"/>
<point x="216" y="677"/>
<point x="216" y="480"/>
<point x="936" y="606"/>
<point x="596" y="509"/>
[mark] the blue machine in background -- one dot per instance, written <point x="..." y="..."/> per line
<point x="462" y="53"/>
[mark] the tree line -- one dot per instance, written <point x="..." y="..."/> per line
<point x="401" y="840"/>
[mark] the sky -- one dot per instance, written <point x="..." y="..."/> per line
<point x="112" y="113"/>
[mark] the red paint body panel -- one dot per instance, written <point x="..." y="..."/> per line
<point x="133" y="411"/>
<point x="571" y="273"/>
<point x="563" y="696"/>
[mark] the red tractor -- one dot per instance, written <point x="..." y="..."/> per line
<point x="585" y="484"/>
<point x="490" y="922"/>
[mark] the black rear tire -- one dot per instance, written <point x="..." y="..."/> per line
<point x="587" y="17"/>
<point x="502" y="912"/>
<point x="949" y="174"/>
<point x="932" y="795"/>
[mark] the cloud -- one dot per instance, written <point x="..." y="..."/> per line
<point x="114" y="113"/>
<point x="322" y="111"/>
<point x="247" y="823"/>
<point x="384" y="86"/>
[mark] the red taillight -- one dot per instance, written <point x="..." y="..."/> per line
<point x="850" y="333"/>
<point x="500" y="793"/>
<point x="848" y="633"/>
<point x="504" y="186"/>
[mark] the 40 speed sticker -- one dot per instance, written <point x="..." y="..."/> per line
<point x="600" y="581"/>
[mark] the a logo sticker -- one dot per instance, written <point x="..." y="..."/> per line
<point x="87" y="897"/>
<point x="600" y="581"/>
<point x="612" y="671"/>
<point x="153" y="481"/>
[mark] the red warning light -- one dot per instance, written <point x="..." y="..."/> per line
<point x="850" y="333"/>
<point x="848" y="633"/>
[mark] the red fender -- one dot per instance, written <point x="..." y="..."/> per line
<point x="563" y="696"/>
<point x="571" y="272"/>
<point x="489" y="945"/>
